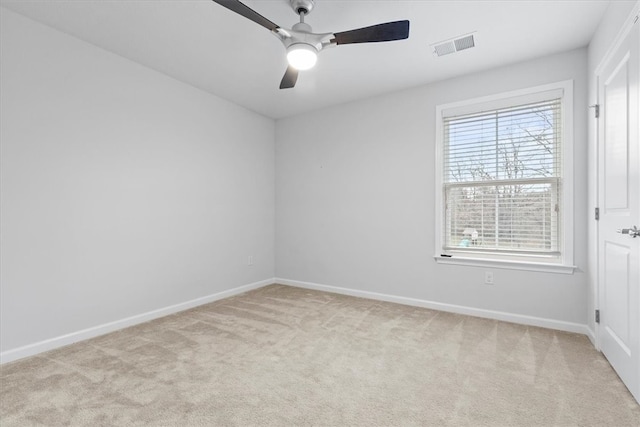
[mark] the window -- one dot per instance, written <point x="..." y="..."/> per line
<point x="504" y="171"/>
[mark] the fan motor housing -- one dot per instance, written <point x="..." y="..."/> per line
<point x="302" y="6"/>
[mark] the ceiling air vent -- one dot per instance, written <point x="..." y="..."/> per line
<point x="454" y="45"/>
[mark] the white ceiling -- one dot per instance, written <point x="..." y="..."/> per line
<point x="203" y="44"/>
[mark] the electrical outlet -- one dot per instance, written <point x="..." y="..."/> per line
<point x="250" y="260"/>
<point x="488" y="277"/>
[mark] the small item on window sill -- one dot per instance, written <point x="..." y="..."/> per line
<point x="445" y="255"/>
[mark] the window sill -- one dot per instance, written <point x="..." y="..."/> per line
<point x="510" y="265"/>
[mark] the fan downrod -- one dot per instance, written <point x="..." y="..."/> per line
<point x="302" y="6"/>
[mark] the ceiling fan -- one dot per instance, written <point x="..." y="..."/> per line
<point x="303" y="45"/>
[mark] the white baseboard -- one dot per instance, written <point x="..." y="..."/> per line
<point x="451" y="308"/>
<point x="591" y="334"/>
<point x="61" y="341"/>
<point x="52" y="343"/>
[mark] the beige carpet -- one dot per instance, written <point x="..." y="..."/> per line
<point x="285" y="356"/>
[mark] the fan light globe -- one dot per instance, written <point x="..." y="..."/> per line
<point x="302" y="56"/>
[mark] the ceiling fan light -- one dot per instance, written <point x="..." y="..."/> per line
<point x="302" y="56"/>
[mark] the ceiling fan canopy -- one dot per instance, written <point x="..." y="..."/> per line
<point x="303" y="45"/>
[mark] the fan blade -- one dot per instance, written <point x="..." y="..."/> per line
<point x="247" y="12"/>
<point x="387" y="32"/>
<point x="290" y="78"/>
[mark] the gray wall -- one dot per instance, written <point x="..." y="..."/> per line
<point x="355" y="198"/>
<point x="123" y="190"/>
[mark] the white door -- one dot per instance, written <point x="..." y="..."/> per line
<point x="619" y="194"/>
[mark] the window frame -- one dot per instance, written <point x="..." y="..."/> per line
<point x="562" y="263"/>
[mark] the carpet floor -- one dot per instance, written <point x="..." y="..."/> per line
<point x="283" y="356"/>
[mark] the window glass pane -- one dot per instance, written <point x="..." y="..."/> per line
<point x="515" y="217"/>
<point x="516" y="143"/>
<point x="501" y="179"/>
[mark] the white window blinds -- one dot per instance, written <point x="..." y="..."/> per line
<point x="502" y="179"/>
